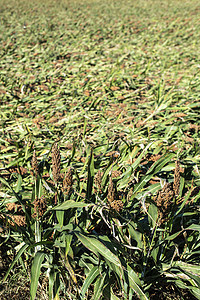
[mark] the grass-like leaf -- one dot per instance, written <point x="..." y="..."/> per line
<point x="97" y="247"/>
<point x="35" y="273"/>
<point x="71" y="204"/>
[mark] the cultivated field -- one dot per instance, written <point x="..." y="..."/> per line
<point x="100" y="149"/>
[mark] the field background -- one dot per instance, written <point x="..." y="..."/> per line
<point x="109" y="90"/>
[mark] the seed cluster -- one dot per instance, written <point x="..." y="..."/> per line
<point x="56" y="159"/>
<point x="177" y="177"/>
<point x="40" y="206"/>
<point x="34" y="164"/>
<point x="117" y="205"/>
<point x="98" y="180"/>
<point x="166" y="198"/>
<point x="164" y="201"/>
<point x="16" y="215"/>
<point x="116" y="174"/>
<point x="111" y="191"/>
<point x="68" y="182"/>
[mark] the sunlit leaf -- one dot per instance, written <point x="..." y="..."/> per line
<point x="35" y="273"/>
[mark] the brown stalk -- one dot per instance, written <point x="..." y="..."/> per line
<point x="98" y="180"/>
<point x="111" y="191"/>
<point x="56" y="162"/>
<point x="177" y="177"/>
<point x="34" y="164"/>
<point x="68" y="182"/>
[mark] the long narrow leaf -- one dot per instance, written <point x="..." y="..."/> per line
<point x="135" y="284"/>
<point x="35" y="273"/>
<point x="51" y="283"/>
<point x="98" y="287"/>
<point x="98" y="247"/>
<point x="70" y="204"/>
<point x="155" y="168"/>
<point x="126" y="176"/>
<point x="90" y="278"/>
<point x="19" y="254"/>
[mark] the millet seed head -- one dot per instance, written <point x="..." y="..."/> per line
<point x="98" y="180"/>
<point x="34" y="164"/>
<point x="68" y="182"/>
<point x="111" y="191"/>
<point x="117" y="205"/>
<point x="177" y="177"/>
<point x="40" y="206"/>
<point x="164" y="202"/>
<point x="56" y="159"/>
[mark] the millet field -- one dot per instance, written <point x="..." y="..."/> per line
<point x="100" y="150"/>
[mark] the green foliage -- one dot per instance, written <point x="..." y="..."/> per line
<point x="108" y="92"/>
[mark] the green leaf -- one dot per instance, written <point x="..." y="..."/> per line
<point x="60" y="217"/>
<point x="94" y="245"/>
<point x="195" y="269"/>
<point x="19" y="183"/>
<point x="19" y="254"/>
<point x="155" y="168"/>
<point x="14" y="193"/>
<point x="51" y="283"/>
<point x="138" y="160"/>
<point x="152" y="214"/>
<point x="173" y="236"/>
<point x="126" y="176"/>
<point x="70" y="204"/>
<point x="94" y="272"/>
<point x="57" y="286"/>
<point x="38" y="187"/>
<point x="98" y="287"/>
<point x="113" y="297"/>
<point x="68" y="239"/>
<point x="135" y="235"/>
<point x="195" y="291"/>
<point x="35" y="273"/>
<point x="187" y="196"/>
<point x="159" y="164"/>
<point x="135" y="284"/>
<point x="193" y="227"/>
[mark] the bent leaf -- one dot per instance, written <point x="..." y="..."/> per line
<point x="71" y="204"/>
<point x="90" y="278"/>
<point x="98" y="247"/>
<point x="20" y="252"/>
<point x="135" y="284"/>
